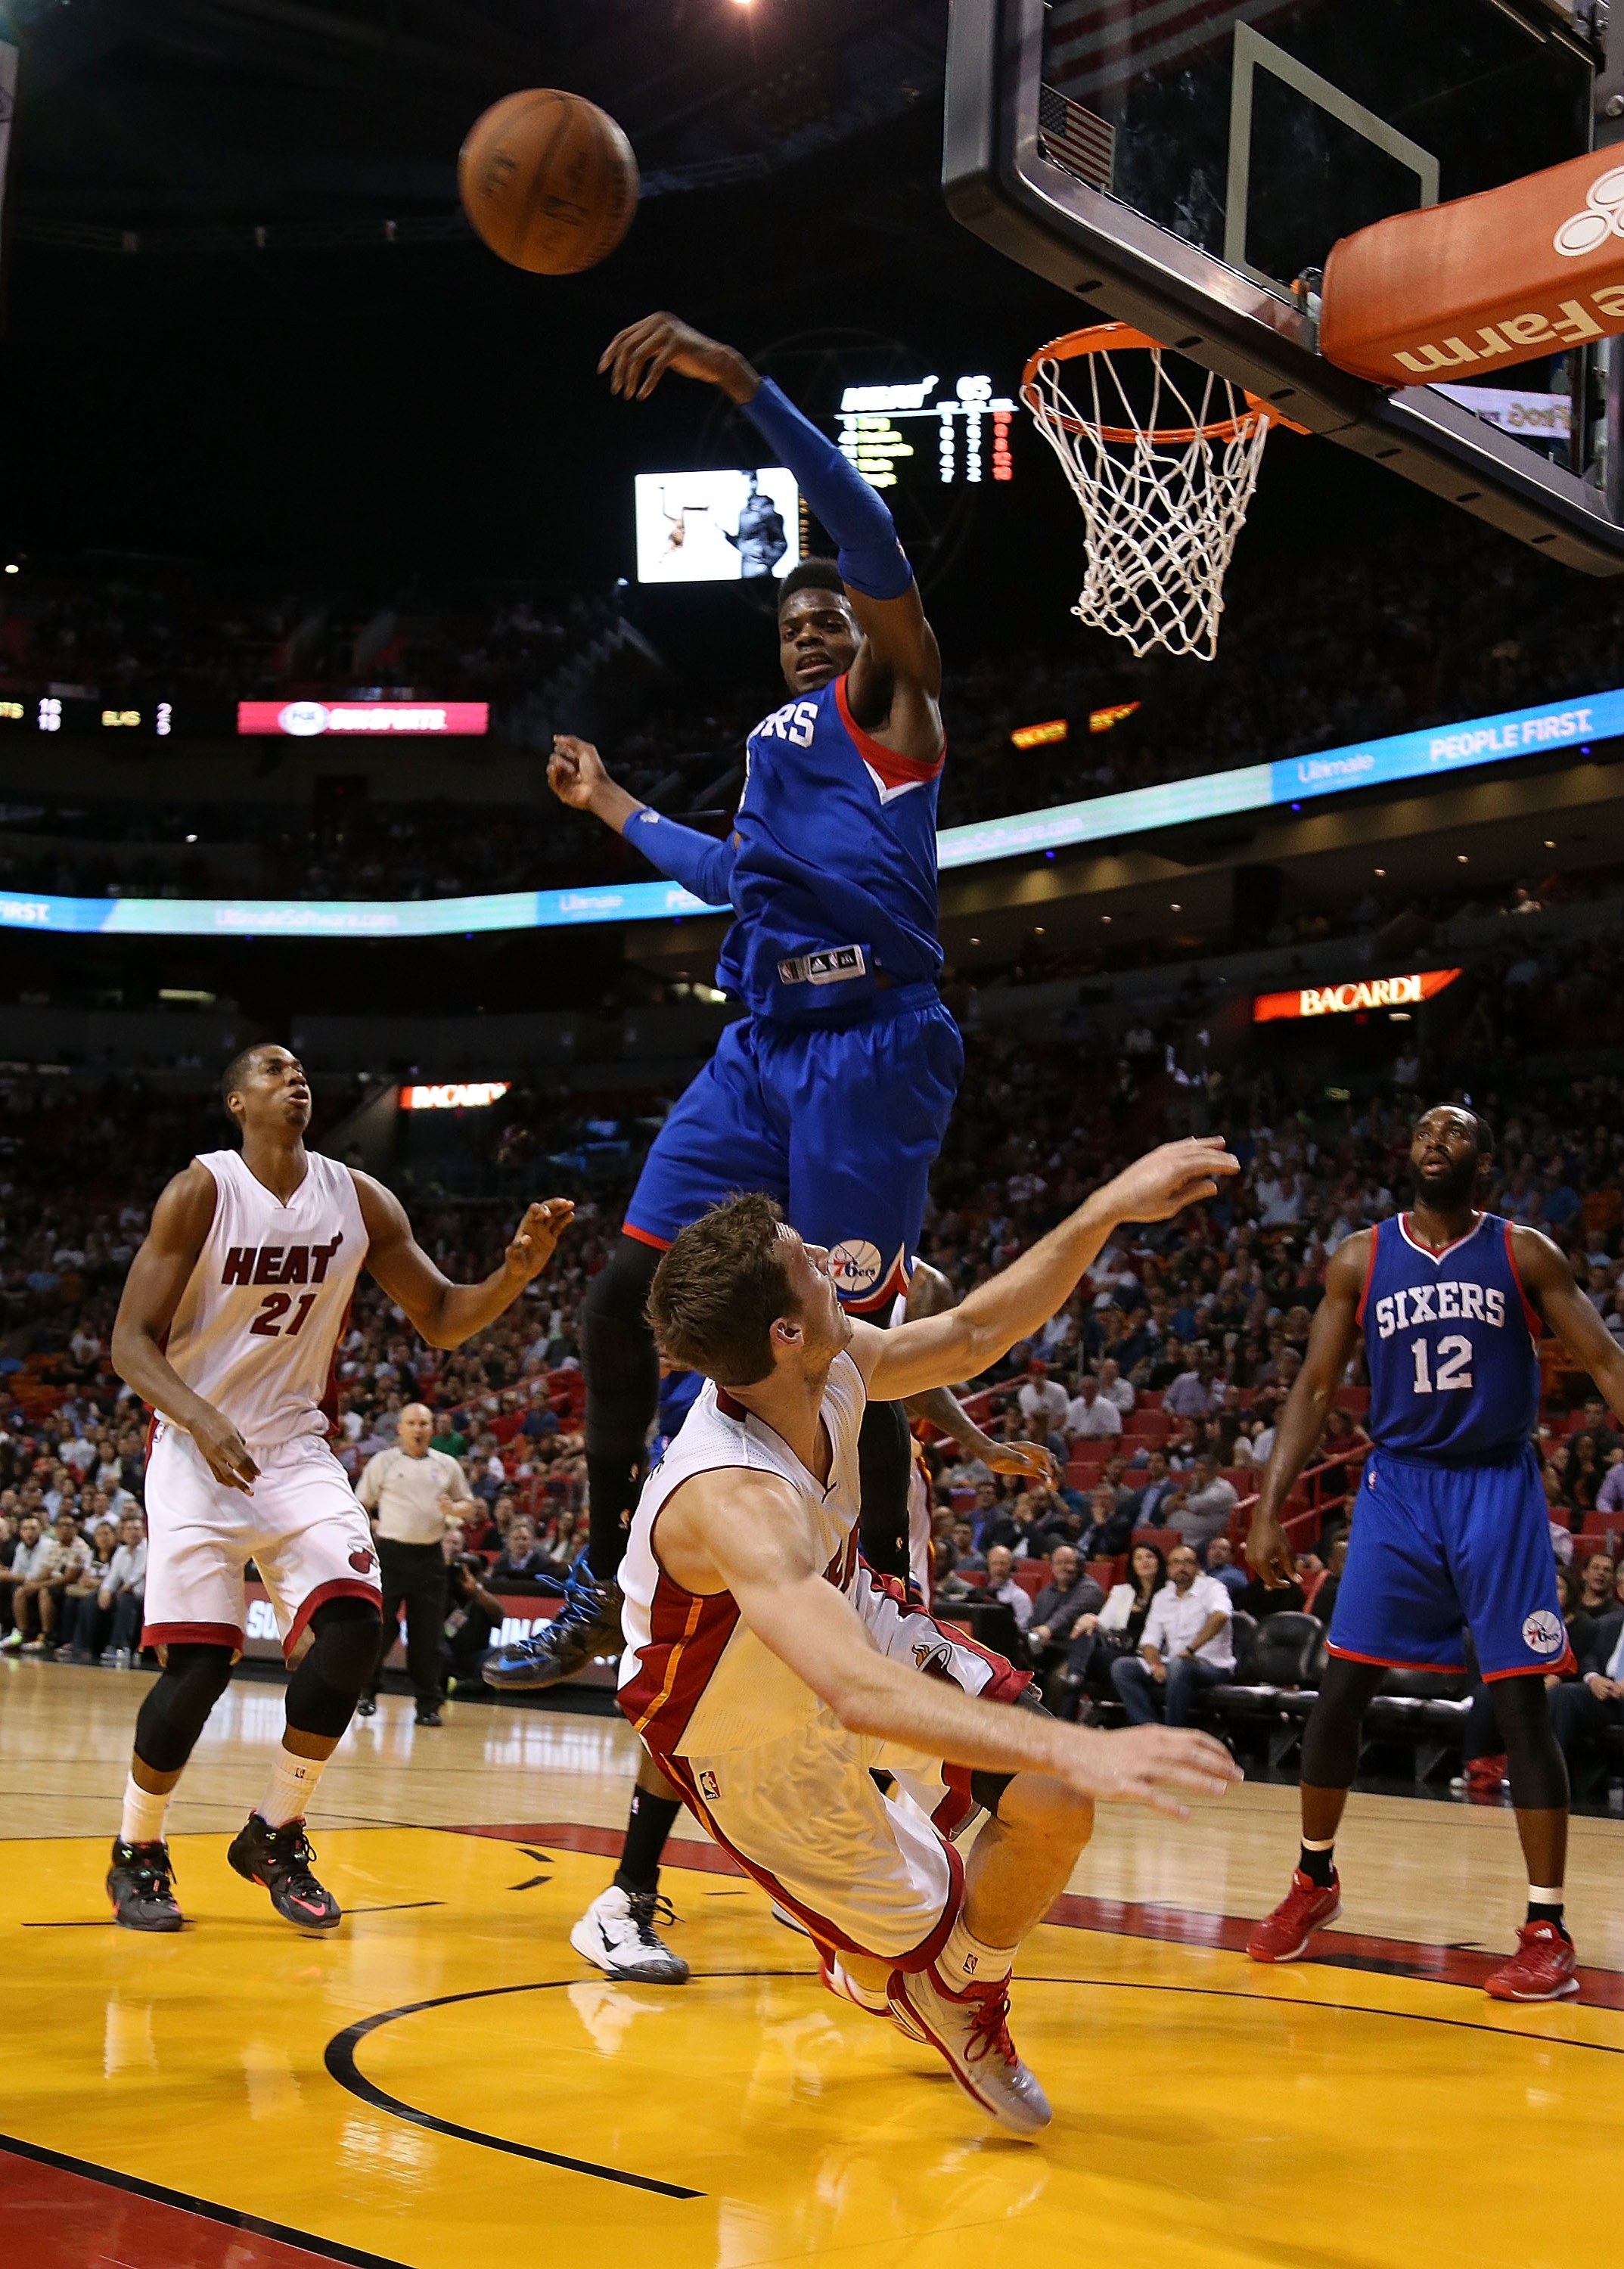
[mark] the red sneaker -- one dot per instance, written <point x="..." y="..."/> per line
<point x="1541" y="1970"/>
<point x="1307" y="1907"/>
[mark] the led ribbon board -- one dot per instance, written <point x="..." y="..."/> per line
<point x="1352" y="994"/>
<point x="1291" y="781"/>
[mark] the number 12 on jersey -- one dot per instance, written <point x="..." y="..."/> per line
<point x="1454" y="1371"/>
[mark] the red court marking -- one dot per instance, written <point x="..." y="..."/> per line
<point x="1441" y="1965"/>
<point x="54" y="2216"/>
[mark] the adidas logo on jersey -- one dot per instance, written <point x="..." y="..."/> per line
<point x="276" y="1264"/>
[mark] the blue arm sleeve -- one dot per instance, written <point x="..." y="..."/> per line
<point x="699" y="862"/>
<point x="871" y="559"/>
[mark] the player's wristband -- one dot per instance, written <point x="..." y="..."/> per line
<point x="871" y="559"/>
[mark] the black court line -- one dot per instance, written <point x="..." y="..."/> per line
<point x="1346" y="2008"/>
<point x="339" y="2058"/>
<point x="159" y="2194"/>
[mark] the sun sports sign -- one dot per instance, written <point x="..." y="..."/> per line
<point x="1352" y="993"/>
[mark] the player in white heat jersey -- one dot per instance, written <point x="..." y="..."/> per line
<point x="227" y="1325"/>
<point x="769" y="1675"/>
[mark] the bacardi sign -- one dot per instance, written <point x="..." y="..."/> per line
<point x="1352" y="994"/>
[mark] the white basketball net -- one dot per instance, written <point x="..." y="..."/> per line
<point x="1163" y="486"/>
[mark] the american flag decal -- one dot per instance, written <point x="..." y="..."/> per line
<point x="1075" y="138"/>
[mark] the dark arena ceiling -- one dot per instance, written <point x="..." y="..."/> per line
<point x="161" y="116"/>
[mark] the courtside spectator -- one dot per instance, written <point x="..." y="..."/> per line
<point x="1068" y="1596"/>
<point x="1188" y="1644"/>
<point x="1001" y="1585"/>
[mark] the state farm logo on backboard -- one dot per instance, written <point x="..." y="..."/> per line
<point x="1601" y="217"/>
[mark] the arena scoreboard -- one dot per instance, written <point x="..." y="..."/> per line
<point x="952" y="431"/>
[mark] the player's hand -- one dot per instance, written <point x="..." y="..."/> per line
<point x="1268" y="1555"/>
<point x="638" y="358"/>
<point x="1158" y="1671"/>
<point x="224" y="1451"/>
<point x="575" y="771"/>
<point x="1028" y="1458"/>
<point x="536" y="1237"/>
<point x="1146" y="1764"/>
<point x="1157" y="1186"/>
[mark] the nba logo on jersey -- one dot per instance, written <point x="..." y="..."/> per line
<point x="854" y="1265"/>
<point x="710" y="1785"/>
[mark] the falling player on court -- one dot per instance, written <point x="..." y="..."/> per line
<point x="1450" y="1534"/>
<point x="773" y="1673"/>
<point x="227" y="1329"/>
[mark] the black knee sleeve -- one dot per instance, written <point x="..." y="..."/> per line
<point x="1331" y="1738"/>
<point x="177" y="1708"/>
<point x="622" y="1371"/>
<point x="987" y="1788"/>
<point x="883" y="1464"/>
<point x="1535" y="1765"/>
<point x="327" y="1685"/>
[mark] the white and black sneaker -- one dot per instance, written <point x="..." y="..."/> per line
<point x="617" y="1933"/>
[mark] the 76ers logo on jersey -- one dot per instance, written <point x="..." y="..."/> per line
<point x="363" y="1561"/>
<point x="1542" y="1632"/>
<point x="854" y="1264"/>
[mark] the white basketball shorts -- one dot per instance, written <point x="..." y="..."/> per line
<point x="867" y="1874"/>
<point x="302" y="1527"/>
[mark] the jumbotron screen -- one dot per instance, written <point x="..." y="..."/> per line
<point x="716" y="527"/>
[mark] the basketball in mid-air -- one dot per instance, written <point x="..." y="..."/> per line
<point x="549" y="181"/>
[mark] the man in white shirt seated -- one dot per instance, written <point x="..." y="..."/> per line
<point x="1090" y="1415"/>
<point x="1001" y="1586"/>
<point x="1113" y="1386"/>
<point x="1041" y="1396"/>
<point x="1188" y="1644"/>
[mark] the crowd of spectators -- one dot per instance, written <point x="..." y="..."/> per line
<point x="1317" y="652"/>
<point x="1204" y="1320"/>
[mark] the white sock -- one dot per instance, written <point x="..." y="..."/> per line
<point x="967" y="1960"/>
<point x="144" y="1814"/>
<point x="873" y="2000"/>
<point x="291" y="1786"/>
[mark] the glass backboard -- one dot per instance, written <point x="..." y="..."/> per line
<point x="1185" y="166"/>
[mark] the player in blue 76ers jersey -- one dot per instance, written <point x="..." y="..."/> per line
<point x="1450" y="1532"/>
<point x="832" y="1093"/>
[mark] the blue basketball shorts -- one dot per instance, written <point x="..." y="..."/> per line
<point x="1437" y="1551"/>
<point x="842" y="1127"/>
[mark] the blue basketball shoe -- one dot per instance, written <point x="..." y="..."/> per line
<point x="588" y="1624"/>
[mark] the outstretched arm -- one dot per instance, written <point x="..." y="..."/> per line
<point x="1548" y="1282"/>
<point x="929" y="1294"/>
<point x="577" y="776"/>
<point x="745" y="1533"/>
<point x="1011" y="1305"/>
<point x="1329" y="1344"/>
<point x="159" y="1275"/>
<point x="446" y="1314"/>
<point x="895" y="680"/>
